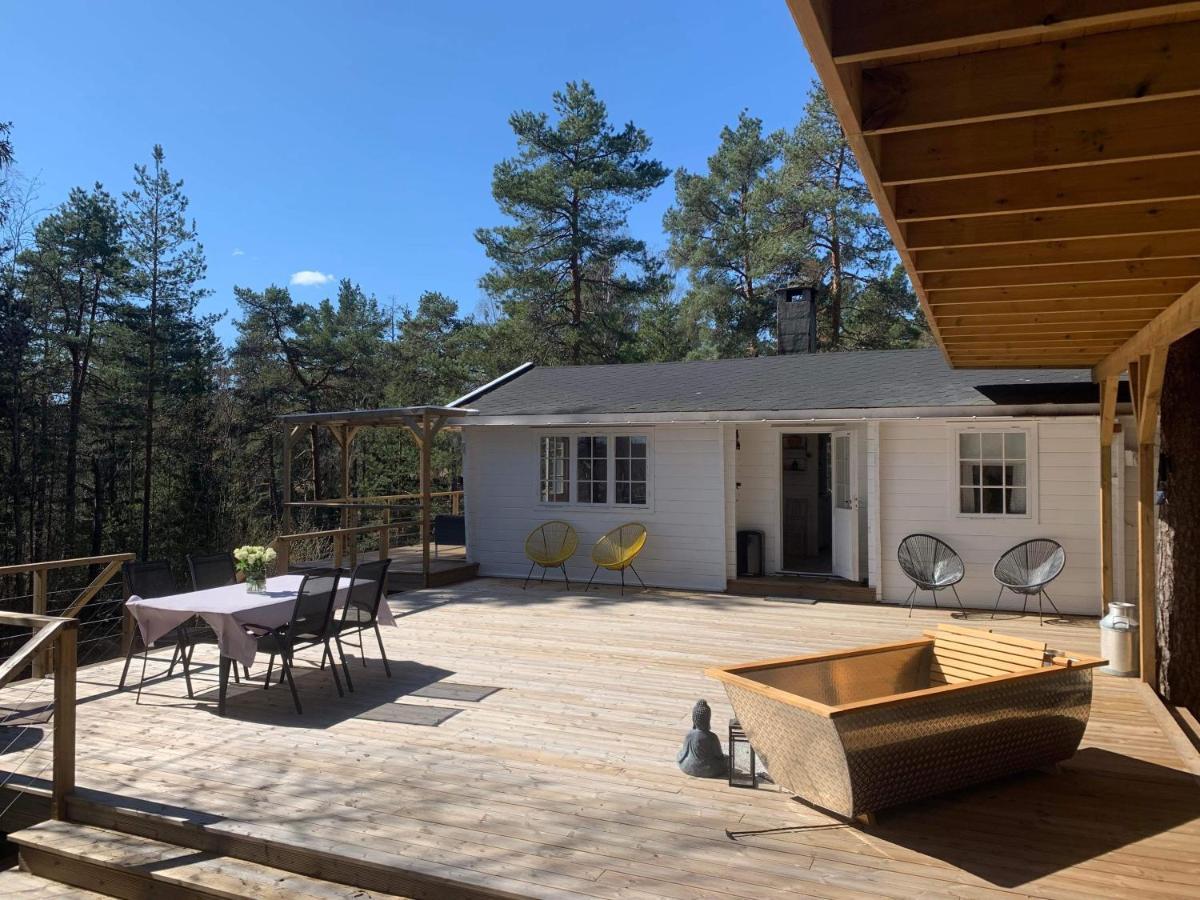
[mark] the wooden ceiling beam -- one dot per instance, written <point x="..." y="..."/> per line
<point x="1096" y="221"/>
<point x="871" y="30"/>
<point x="1055" y="330"/>
<point x="1049" y="189"/>
<point x="1127" y="66"/>
<point x="1153" y="246"/>
<point x="1178" y="320"/>
<point x="1028" y="342"/>
<point x="1096" y="307"/>
<point x="1067" y="273"/>
<point x="1147" y="292"/>
<point x="1141" y="131"/>
<point x="998" y="320"/>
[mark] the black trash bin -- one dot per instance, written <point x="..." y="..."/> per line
<point x="749" y="553"/>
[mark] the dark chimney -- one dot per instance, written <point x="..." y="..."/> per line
<point x="796" y="319"/>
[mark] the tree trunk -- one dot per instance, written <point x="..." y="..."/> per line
<point x="1178" y="534"/>
<point x="151" y="374"/>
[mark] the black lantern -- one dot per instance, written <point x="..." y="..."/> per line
<point x="742" y="763"/>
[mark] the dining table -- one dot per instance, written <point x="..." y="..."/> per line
<point x="228" y="610"/>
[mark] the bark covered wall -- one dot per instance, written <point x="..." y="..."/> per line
<point x="1178" y="537"/>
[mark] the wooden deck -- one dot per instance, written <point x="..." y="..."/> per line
<point x="562" y="783"/>
<point x="449" y="566"/>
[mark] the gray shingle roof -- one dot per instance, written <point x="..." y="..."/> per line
<point x="869" y="379"/>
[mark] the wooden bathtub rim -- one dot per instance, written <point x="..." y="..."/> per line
<point x="732" y="675"/>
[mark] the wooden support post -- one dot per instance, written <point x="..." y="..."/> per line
<point x="1108" y="413"/>
<point x="285" y="481"/>
<point x="1146" y="377"/>
<point x="64" y="720"/>
<point x="41" y="592"/>
<point x="426" y="440"/>
<point x="456" y="503"/>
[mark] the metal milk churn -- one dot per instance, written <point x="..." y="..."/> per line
<point x="1119" y="640"/>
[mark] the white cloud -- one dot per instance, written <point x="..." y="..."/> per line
<point x="308" y="277"/>
<point x="238" y="251"/>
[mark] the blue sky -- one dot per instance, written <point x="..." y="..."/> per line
<point x="357" y="138"/>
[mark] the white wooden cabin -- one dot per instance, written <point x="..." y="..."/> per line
<point x="833" y="457"/>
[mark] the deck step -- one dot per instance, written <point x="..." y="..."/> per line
<point x="18" y="885"/>
<point x="129" y="866"/>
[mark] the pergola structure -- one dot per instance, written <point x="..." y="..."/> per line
<point x="423" y="423"/>
<point x="1037" y="163"/>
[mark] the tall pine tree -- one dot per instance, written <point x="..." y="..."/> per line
<point x="167" y="268"/>
<point x="566" y="266"/>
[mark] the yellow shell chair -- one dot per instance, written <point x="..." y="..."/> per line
<point x="550" y="546"/>
<point x="617" y="550"/>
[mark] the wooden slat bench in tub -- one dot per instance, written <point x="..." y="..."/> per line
<point x="858" y="730"/>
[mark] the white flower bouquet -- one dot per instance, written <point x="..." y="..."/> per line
<point x="252" y="561"/>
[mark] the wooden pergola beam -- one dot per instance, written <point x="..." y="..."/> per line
<point x="1124" y="219"/>
<point x="1141" y="131"/>
<point x="1178" y="320"/>
<point x="1065" y="273"/>
<point x="1100" y="184"/>
<point x="871" y="30"/>
<point x="1185" y="244"/>
<point x="1128" y="66"/>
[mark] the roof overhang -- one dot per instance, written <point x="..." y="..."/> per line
<point x="791" y="416"/>
<point x="396" y="416"/>
<point x="1036" y="162"/>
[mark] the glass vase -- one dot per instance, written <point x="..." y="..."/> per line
<point x="256" y="582"/>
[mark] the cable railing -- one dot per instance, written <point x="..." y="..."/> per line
<point x="28" y="706"/>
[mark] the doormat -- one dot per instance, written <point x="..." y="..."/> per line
<point x="408" y="714"/>
<point x="806" y="601"/>
<point x="443" y="690"/>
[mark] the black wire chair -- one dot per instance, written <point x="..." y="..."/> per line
<point x="1026" y="569"/>
<point x="312" y="624"/>
<point x="931" y="565"/>
<point x="148" y="580"/>
<point x="367" y="587"/>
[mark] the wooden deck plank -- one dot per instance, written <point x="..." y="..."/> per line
<point x="564" y="783"/>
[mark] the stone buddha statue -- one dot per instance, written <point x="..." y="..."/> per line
<point x="701" y="754"/>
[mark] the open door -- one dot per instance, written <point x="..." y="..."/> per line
<point x="845" y="505"/>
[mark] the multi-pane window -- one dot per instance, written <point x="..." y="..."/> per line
<point x="630" y="475"/>
<point x="606" y="469"/>
<point x="555" y="457"/>
<point x="992" y="473"/>
<point x="591" y="469"/>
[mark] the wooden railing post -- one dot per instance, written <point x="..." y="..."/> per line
<point x="383" y="542"/>
<point x="64" y="719"/>
<point x="41" y="578"/>
<point x="456" y="503"/>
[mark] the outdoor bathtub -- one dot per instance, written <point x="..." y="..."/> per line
<point x="859" y="730"/>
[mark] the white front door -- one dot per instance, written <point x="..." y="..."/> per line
<point x="844" y="498"/>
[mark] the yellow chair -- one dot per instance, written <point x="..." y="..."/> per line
<point x="550" y="546"/>
<point x="617" y="550"/>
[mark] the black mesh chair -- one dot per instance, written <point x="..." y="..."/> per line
<point x="931" y="565"/>
<point x="1026" y="569"/>
<point x="361" y="612"/>
<point x="147" y="580"/>
<point x="216" y="570"/>
<point x="312" y="623"/>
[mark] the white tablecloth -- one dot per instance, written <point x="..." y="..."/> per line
<point x="226" y="609"/>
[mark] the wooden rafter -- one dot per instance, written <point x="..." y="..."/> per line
<point x="1028" y="157"/>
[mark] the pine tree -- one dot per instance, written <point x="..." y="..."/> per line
<point x="724" y="231"/>
<point x="167" y="268"/>
<point x="825" y="202"/>
<point x="566" y="265"/>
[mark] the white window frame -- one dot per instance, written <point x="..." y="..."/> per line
<point x="611" y="435"/>
<point x="1030" y="430"/>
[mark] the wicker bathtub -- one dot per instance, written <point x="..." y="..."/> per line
<point x="859" y="730"/>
